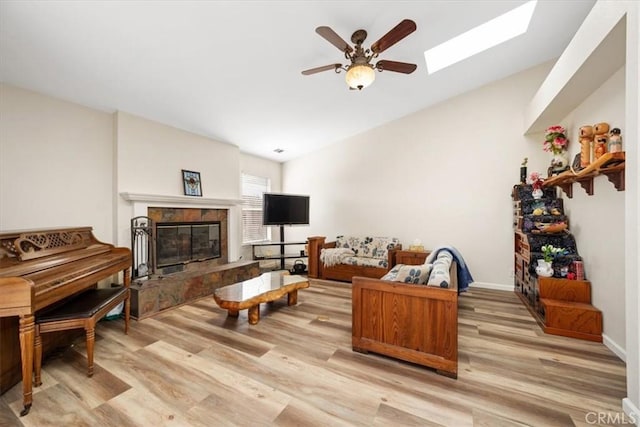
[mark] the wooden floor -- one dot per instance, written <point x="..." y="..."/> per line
<point x="194" y="366"/>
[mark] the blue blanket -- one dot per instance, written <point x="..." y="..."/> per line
<point x="464" y="275"/>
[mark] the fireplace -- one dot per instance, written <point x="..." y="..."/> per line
<point x="185" y="235"/>
<point x="178" y="243"/>
<point x="166" y="287"/>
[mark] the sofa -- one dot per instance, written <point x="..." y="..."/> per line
<point x="416" y="323"/>
<point x="350" y="256"/>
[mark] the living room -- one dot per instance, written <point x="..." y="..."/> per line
<point x="442" y="175"/>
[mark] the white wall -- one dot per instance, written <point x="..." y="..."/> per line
<point x="443" y="175"/>
<point x="597" y="221"/>
<point x="150" y="157"/>
<point x="55" y="164"/>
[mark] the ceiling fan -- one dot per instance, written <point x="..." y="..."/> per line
<point x="360" y="71"/>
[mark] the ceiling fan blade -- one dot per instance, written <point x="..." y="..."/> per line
<point x="397" y="33"/>
<point x="331" y="36"/>
<point x="398" y="67"/>
<point x="320" y="69"/>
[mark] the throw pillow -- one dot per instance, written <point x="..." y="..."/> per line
<point x="440" y="273"/>
<point x="392" y="274"/>
<point x="416" y="274"/>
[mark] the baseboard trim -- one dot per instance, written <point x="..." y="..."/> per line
<point x="614" y="347"/>
<point x="494" y="286"/>
<point x="631" y="410"/>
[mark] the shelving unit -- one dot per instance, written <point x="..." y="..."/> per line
<point x="281" y="255"/>
<point x="560" y="306"/>
<point x="611" y="165"/>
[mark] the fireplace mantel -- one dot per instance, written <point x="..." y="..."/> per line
<point x="141" y="202"/>
<point x="190" y="200"/>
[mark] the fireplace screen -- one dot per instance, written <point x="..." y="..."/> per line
<point x="180" y="243"/>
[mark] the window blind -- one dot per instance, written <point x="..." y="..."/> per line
<point x="253" y="187"/>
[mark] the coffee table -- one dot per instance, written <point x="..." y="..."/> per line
<point x="264" y="288"/>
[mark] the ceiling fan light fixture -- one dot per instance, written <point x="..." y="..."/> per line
<point x="360" y="76"/>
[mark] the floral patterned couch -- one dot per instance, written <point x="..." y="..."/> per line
<point x="350" y="256"/>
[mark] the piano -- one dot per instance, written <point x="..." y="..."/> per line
<point x="38" y="268"/>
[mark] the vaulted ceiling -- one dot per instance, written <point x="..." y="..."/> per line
<point x="231" y="70"/>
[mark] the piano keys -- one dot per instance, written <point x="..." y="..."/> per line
<point x="39" y="268"/>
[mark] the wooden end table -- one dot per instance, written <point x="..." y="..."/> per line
<point x="264" y="288"/>
<point x="411" y="257"/>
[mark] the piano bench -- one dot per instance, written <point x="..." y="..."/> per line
<point x="81" y="311"/>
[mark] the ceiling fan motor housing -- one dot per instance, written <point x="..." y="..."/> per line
<point x="358" y="37"/>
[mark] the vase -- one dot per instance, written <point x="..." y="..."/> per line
<point x="544" y="268"/>
<point x="537" y="193"/>
<point x="559" y="161"/>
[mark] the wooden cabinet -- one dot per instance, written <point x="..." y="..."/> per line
<point x="411" y="257"/>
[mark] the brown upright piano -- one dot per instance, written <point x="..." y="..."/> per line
<point x="38" y="268"/>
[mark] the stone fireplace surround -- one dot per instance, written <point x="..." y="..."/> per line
<point x="199" y="279"/>
<point x="162" y="215"/>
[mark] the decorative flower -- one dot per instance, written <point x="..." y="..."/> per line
<point x="536" y="180"/>
<point x="550" y="252"/>
<point x="555" y="140"/>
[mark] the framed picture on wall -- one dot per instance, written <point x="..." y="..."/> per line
<point x="192" y="185"/>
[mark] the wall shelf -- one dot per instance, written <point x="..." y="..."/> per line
<point x="611" y="165"/>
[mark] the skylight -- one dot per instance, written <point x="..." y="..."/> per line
<point x="485" y="36"/>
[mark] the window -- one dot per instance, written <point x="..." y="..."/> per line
<point x="485" y="36"/>
<point x="253" y="187"/>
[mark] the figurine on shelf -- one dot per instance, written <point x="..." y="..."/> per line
<point x="600" y="145"/>
<point x="536" y="182"/>
<point x="615" y="141"/>
<point x="601" y="131"/>
<point x="586" y="138"/>
<point x="601" y="128"/>
<point x="523" y="170"/>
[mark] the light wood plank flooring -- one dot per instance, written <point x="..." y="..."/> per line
<point x="194" y="366"/>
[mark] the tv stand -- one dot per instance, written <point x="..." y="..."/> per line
<point x="282" y="255"/>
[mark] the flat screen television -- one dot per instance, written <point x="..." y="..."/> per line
<point x="285" y="209"/>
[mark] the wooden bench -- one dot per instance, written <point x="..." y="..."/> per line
<point x="81" y="311"/>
